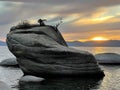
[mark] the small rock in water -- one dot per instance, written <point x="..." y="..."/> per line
<point x="4" y="86"/>
<point x="108" y="58"/>
<point x="9" y="62"/>
<point x="29" y="78"/>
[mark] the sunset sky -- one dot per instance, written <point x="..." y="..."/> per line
<point x="82" y="19"/>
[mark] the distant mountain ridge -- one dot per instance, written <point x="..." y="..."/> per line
<point x="2" y="43"/>
<point x="109" y="43"/>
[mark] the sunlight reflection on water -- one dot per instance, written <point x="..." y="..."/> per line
<point x="96" y="50"/>
<point x="111" y="81"/>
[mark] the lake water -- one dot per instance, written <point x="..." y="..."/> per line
<point x="111" y="81"/>
<point x="96" y="50"/>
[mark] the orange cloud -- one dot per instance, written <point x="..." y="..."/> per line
<point x="74" y="37"/>
<point x="86" y="36"/>
<point x="101" y="15"/>
<point x="99" y="12"/>
<point x="91" y="21"/>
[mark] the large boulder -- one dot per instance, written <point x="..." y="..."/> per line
<point x="108" y="58"/>
<point x="42" y="51"/>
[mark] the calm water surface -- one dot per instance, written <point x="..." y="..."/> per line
<point x="111" y="81"/>
<point x="96" y="50"/>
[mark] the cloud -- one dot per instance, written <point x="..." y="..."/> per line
<point x="83" y="36"/>
<point x="79" y="16"/>
<point x="21" y="10"/>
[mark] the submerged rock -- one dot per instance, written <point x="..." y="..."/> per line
<point x="42" y="51"/>
<point x="64" y="84"/>
<point x="9" y="62"/>
<point x="108" y="58"/>
<point x="30" y="79"/>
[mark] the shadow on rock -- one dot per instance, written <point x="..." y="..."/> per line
<point x="63" y="84"/>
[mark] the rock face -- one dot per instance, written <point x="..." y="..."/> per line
<point x="108" y="58"/>
<point x="9" y="62"/>
<point x="4" y="86"/>
<point x="42" y="51"/>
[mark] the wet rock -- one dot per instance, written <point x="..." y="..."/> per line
<point x="31" y="79"/>
<point x="42" y="51"/>
<point x="9" y="62"/>
<point x="64" y="84"/>
<point x="108" y="58"/>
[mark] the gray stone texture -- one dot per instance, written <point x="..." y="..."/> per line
<point x="108" y="58"/>
<point x="42" y="51"/>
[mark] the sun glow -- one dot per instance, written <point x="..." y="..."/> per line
<point x="102" y="18"/>
<point x="2" y="39"/>
<point x="99" y="39"/>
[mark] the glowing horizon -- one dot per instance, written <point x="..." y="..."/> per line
<point x="81" y="20"/>
<point x="99" y="38"/>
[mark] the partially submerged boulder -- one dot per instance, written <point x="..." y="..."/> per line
<point x="9" y="62"/>
<point x="42" y="51"/>
<point x="108" y="58"/>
